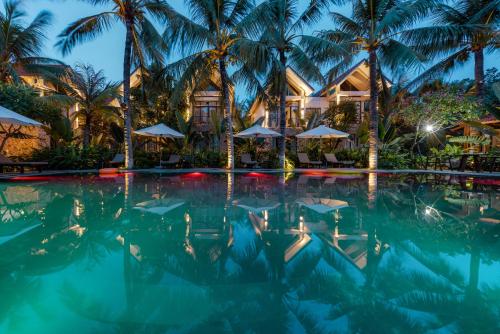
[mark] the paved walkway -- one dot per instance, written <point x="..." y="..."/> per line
<point x="10" y="176"/>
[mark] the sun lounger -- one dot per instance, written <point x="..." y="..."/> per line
<point x="6" y="162"/>
<point x="119" y="159"/>
<point x="304" y="160"/>
<point x="332" y="159"/>
<point x="247" y="161"/>
<point x="173" y="160"/>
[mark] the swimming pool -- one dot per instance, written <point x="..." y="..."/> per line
<point x="250" y="253"/>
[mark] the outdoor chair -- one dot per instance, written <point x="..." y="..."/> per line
<point x="247" y="161"/>
<point x="454" y="163"/>
<point x="332" y="159"/>
<point x="119" y="159"/>
<point x="173" y="160"/>
<point x="304" y="160"/>
<point x="6" y="162"/>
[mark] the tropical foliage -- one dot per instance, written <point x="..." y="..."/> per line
<point x="93" y="95"/>
<point x="373" y="28"/>
<point x="21" y="44"/>
<point x="142" y="43"/>
<point x="225" y="45"/>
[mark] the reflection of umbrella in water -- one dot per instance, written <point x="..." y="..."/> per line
<point x="159" y="206"/>
<point x="322" y="205"/>
<point x="255" y="204"/>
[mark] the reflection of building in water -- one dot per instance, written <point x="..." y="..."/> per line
<point x="353" y="247"/>
<point x="19" y="210"/>
<point x="293" y="239"/>
<point x="208" y="233"/>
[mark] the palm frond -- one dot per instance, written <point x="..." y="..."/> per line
<point x="442" y="67"/>
<point x="395" y="54"/>
<point x="84" y="29"/>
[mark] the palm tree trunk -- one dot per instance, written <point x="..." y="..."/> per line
<point x="479" y="73"/>
<point x="373" y="128"/>
<point x="86" y="132"/>
<point x="127" y="112"/>
<point x="281" y="140"/>
<point x="227" y="113"/>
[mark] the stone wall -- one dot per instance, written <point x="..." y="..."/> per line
<point x="25" y="147"/>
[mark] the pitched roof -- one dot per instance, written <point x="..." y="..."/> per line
<point x="340" y="78"/>
<point x="300" y="77"/>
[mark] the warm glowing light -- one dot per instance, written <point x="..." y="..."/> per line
<point x="372" y="187"/>
<point x="78" y="209"/>
<point x="255" y="174"/>
<point x="194" y="175"/>
<point x="317" y="173"/>
<point x="301" y="223"/>
<point x="266" y="215"/>
<point x="79" y="231"/>
<point x="429" y="128"/>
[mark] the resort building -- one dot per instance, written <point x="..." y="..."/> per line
<point x="203" y="104"/>
<point x="302" y="102"/>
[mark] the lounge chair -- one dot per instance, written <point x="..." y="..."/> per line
<point x="119" y="159"/>
<point x="332" y="159"/>
<point x="6" y="162"/>
<point x="173" y="160"/>
<point x="304" y="160"/>
<point x="247" y="161"/>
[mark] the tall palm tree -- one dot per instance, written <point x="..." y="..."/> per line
<point x="142" y="41"/>
<point x="283" y="44"/>
<point x="89" y="90"/>
<point x="20" y="45"/>
<point x="373" y="28"/>
<point x="211" y="38"/>
<point x="468" y="27"/>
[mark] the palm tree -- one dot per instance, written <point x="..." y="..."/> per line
<point x="373" y="28"/>
<point x="211" y="39"/>
<point x="20" y="45"/>
<point x="468" y="27"/>
<point x="283" y="44"/>
<point x="90" y="90"/>
<point x="142" y="41"/>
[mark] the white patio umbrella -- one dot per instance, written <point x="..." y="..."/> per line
<point x="322" y="205"/>
<point x="322" y="132"/>
<point x="159" y="131"/>
<point x="11" y="117"/>
<point x="257" y="131"/>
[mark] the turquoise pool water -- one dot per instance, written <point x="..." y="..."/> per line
<point x="250" y="253"/>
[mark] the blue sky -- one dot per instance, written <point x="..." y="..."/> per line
<point x="106" y="52"/>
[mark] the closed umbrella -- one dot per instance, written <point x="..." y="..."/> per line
<point x="11" y="117"/>
<point x="159" y="131"/>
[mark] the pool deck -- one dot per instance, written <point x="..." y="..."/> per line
<point x="11" y="176"/>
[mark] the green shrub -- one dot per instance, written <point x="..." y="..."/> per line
<point x="73" y="157"/>
<point x="358" y="155"/>
<point x="391" y="159"/>
<point x="144" y="159"/>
